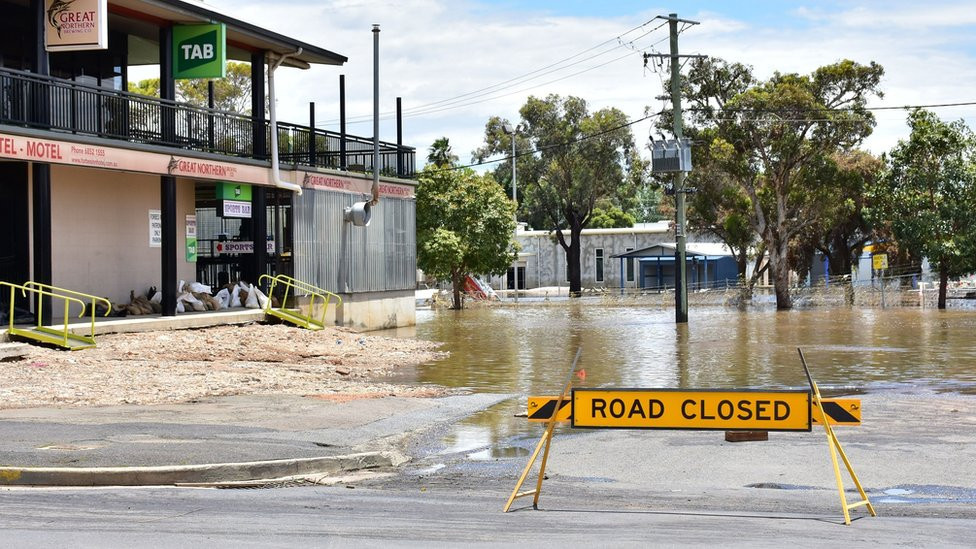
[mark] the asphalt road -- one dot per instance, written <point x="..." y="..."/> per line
<point x="368" y="517"/>
<point x="916" y="456"/>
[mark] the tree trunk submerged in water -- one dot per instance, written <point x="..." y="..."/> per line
<point x="943" y="285"/>
<point x="849" y="292"/>
<point x="457" y="282"/>
<point x="780" y="271"/>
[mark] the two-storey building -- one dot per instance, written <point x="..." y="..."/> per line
<point x="105" y="192"/>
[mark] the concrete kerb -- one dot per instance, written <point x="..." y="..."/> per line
<point x="197" y="474"/>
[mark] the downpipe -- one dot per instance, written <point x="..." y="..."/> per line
<point x="275" y="166"/>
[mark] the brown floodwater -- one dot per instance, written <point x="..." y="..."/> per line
<point x="528" y="349"/>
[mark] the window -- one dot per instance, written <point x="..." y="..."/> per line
<point x="630" y="266"/>
<point x="599" y="264"/>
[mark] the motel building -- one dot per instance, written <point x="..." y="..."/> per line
<point x="106" y="192"/>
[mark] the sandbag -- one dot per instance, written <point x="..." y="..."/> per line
<point x="262" y="299"/>
<point x="197" y="287"/>
<point x="206" y="299"/>
<point x="252" y="298"/>
<point x="192" y="302"/>
<point x="223" y="296"/>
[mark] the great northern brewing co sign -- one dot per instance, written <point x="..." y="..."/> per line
<point x="75" y="25"/>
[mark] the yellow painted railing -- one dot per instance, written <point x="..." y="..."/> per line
<point x="297" y="316"/>
<point x="52" y="335"/>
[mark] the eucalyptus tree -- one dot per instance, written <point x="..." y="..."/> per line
<point x="927" y="195"/>
<point x="569" y="160"/>
<point x="764" y="142"/>
<point x="842" y="229"/>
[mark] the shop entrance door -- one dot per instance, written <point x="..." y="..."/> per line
<point x="14" y="234"/>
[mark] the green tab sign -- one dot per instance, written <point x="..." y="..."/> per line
<point x="199" y="51"/>
<point x="233" y="191"/>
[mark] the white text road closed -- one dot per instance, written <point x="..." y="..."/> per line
<point x="703" y="409"/>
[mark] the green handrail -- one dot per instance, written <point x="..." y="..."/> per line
<point x="43" y="333"/>
<point x="295" y="315"/>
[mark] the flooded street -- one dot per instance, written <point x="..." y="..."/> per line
<point x="527" y="350"/>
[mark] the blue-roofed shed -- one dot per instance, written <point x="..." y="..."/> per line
<point x="709" y="265"/>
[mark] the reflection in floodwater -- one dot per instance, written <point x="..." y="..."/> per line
<point x="527" y="350"/>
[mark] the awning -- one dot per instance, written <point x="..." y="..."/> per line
<point x="242" y="38"/>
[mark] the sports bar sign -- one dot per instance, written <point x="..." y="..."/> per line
<point x="75" y="25"/>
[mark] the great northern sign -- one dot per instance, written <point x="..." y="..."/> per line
<point x="703" y="410"/>
<point x="74" y="24"/>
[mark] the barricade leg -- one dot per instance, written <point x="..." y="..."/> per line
<point x="835" y="448"/>
<point x="544" y="442"/>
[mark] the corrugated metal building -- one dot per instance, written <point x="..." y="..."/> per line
<point x="373" y="268"/>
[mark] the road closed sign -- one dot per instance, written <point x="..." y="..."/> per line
<point x="700" y="409"/>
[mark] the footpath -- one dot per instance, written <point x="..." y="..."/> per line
<point x="217" y="440"/>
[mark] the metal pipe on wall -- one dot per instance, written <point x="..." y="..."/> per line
<point x="376" y="115"/>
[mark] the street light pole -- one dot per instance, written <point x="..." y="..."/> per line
<point x="681" y="155"/>
<point x="513" y="130"/>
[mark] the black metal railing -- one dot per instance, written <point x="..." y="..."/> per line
<point x="47" y="103"/>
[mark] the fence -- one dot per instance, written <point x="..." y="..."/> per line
<point x="44" y="102"/>
<point x="903" y="290"/>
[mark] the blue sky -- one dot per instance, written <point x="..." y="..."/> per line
<point x="436" y="50"/>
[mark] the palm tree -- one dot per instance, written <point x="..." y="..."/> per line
<point x="440" y="154"/>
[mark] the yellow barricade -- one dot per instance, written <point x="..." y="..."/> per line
<point x="840" y="411"/>
<point x="699" y="409"/>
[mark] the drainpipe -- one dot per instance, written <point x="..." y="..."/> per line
<point x="275" y="173"/>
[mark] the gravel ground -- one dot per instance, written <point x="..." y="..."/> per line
<point x="186" y="365"/>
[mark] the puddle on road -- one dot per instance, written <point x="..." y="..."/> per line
<point x="496" y="452"/>
<point x="781" y="486"/>
<point x="73" y="446"/>
<point x="925" y="493"/>
<point x="902" y="494"/>
<point x="475" y="437"/>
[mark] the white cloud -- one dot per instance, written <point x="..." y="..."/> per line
<point x="432" y="50"/>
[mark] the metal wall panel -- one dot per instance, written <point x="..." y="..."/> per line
<point x="339" y="257"/>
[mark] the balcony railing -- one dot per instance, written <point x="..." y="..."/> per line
<point x="47" y="103"/>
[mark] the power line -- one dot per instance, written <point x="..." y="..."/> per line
<point x="719" y="110"/>
<point x="417" y="110"/>
<point x="548" y="69"/>
<point x="523" y="90"/>
<point x="553" y="146"/>
<point x="661" y="112"/>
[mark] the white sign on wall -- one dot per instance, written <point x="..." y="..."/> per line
<point x="155" y="229"/>
<point x="236" y="208"/>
